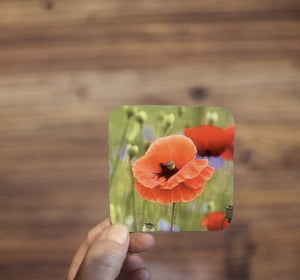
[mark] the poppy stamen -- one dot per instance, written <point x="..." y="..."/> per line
<point x="170" y="165"/>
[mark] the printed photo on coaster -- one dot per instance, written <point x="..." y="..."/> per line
<point x="171" y="168"/>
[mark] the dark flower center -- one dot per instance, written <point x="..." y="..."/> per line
<point x="168" y="169"/>
<point x="206" y="153"/>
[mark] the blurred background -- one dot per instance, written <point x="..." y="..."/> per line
<point x="65" y="65"/>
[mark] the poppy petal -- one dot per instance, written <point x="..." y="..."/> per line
<point x="213" y="221"/>
<point x="145" y="170"/>
<point x="228" y="153"/>
<point x="204" y="222"/>
<point x="204" y="175"/>
<point x="179" y="193"/>
<point x="230" y="130"/>
<point x="189" y="171"/>
<point x="210" y="140"/>
<point x="160" y="182"/>
<point x="177" y="148"/>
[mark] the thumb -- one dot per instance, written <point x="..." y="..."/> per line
<point x="105" y="257"/>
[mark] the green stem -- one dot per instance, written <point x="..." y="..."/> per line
<point x="222" y="223"/>
<point x="134" y="212"/>
<point x="144" y="208"/>
<point x="117" y="159"/>
<point x="141" y="143"/>
<point x="173" y="216"/>
<point x="166" y="131"/>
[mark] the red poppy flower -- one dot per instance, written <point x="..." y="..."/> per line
<point x="214" y="221"/>
<point x="228" y="153"/>
<point x="169" y="172"/>
<point x="212" y="140"/>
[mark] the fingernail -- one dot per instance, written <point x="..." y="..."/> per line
<point x="118" y="233"/>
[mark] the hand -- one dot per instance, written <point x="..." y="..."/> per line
<point x="110" y="253"/>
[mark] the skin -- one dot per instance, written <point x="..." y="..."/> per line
<point x="110" y="253"/>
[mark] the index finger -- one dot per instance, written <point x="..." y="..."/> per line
<point x="140" y="242"/>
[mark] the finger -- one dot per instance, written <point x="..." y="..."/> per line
<point x="81" y="252"/>
<point x="140" y="242"/>
<point x="132" y="263"/>
<point x="97" y="230"/>
<point x="140" y="274"/>
<point x="106" y="255"/>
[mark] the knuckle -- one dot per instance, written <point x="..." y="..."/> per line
<point x="106" y="253"/>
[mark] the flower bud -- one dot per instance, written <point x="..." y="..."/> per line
<point x="132" y="133"/>
<point x="130" y="111"/>
<point x="130" y="138"/>
<point x="161" y="116"/>
<point x="211" y="206"/>
<point x="132" y="150"/>
<point x="148" y="227"/>
<point x="229" y="212"/>
<point x="212" y="117"/>
<point x="180" y="111"/>
<point x="141" y="117"/>
<point x="169" y="120"/>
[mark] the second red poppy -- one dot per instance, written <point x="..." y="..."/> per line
<point x="211" y="140"/>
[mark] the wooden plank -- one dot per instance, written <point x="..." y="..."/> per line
<point x="66" y="64"/>
<point x="139" y="40"/>
<point x="26" y="13"/>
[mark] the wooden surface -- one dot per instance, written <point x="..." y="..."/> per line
<point x="64" y="65"/>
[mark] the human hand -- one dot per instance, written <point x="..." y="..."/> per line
<point x="110" y="253"/>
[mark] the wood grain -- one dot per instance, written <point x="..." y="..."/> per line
<point x="65" y="65"/>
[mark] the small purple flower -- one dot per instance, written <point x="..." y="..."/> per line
<point x="148" y="133"/>
<point x="176" y="228"/>
<point x="123" y="152"/>
<point x="216" y="162"/>
<point x="163" y="225"/>
<point x="191" y="206"/>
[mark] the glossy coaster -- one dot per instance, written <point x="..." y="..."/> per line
<point x="171" y="168"/>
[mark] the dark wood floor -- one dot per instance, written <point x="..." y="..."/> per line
<point x="64" y="65"/>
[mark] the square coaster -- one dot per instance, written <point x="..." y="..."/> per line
<point x="171" y="168"/>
